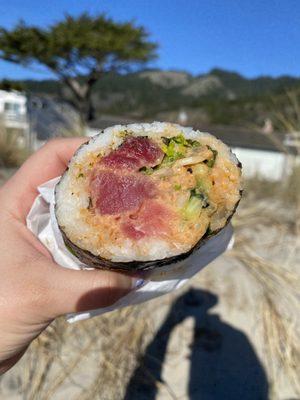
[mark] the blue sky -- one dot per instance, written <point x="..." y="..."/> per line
<point x="253" y="37"/>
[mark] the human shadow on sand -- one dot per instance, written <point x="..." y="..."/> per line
<point x="223" y="364"/>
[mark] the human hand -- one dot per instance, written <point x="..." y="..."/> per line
<point x="34" y="290"/>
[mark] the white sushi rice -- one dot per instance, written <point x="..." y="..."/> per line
<point x="72" y="194"/>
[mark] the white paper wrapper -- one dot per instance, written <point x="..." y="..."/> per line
<point x="42" y="222"/>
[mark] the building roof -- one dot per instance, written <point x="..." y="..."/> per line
<point x="246" y="138"/>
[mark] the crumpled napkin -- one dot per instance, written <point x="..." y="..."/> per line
<point x="42" y="222"/>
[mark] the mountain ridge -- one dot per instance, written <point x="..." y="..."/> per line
<point x="218" y="96"/>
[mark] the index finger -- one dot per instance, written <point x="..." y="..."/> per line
<point x="49" y="161"/>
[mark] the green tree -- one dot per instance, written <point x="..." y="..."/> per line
<point x="79" y="51"/>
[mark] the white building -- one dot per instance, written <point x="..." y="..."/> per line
<point x="13" y="110"/>
<point x="266" y="156"/>
<point x="269" y="165"/>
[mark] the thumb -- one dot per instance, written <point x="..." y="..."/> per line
<point x="73" y="291"/>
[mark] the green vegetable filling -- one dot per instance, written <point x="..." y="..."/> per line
<point x="193" y="208"/>
<point x="204" y="184"/>
<point x="180" y="139"/>
<point x="197" y="201"/>
<point x="174" y="150"/>
<point x="146" y="170"/>
<point x="211" y="162"/>
<point x="208" y="231"/>
<point x="176" y="147"/>
<point x="199" y="194"/>
<point x="124" y="133"/>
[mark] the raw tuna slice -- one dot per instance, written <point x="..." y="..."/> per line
<point x="134" y="153"/>
<point x="151" y="220"/>
<point x="113" y="193"/>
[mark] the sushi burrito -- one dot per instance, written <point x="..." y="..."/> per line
<point x="151" y="199"/>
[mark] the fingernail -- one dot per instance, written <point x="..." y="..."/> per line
<point x="138" y="283"/>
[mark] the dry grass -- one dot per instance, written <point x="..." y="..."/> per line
<point x="95" y="357"/>
<point x="78" y="130"/>
<point x="12" y="151"/>
<point x="289" y="119"/>
<point x="278" y="279"/>
<point x="279" y="307"/>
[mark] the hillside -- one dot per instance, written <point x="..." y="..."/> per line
<point x="218" y="97"/>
